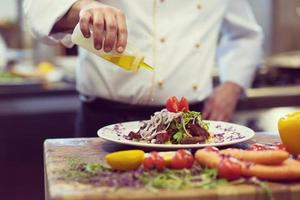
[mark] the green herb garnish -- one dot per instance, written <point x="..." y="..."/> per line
<point x="78" y="170"/>
<point x="95" y="167"/>
<point x="197" y="177"/>
<point x="179" y="126"/>
<point x="182" y="179"/>
<point x="264" y="186"/>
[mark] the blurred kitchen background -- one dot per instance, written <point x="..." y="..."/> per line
<point x="38" y="98"/>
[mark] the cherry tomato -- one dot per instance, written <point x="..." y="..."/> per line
<point x="182" y="159"/>
<point x="160" y="163"/>
<point x="213" y="149"/>
<point x="148" y="162"/>
<point x="183" y="105"/>
<point x="177" y="162"/>
<point x="154" y="161"/>
<point x="229" y="169"/>
<point x="172" y="104"/>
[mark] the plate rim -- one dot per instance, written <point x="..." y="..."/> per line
<point x="250" y="135"/>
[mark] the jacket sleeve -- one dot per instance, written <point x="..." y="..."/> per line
<point x="41" y="15"/>
<point x="240" y="47"/>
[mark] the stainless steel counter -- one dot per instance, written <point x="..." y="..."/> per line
<point x="270" y="97"/>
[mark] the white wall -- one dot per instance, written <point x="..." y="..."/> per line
<point x="8" y="9"/>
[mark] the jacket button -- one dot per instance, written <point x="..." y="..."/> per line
<point x="161" y="83"/>
<point x="195" y="87"/>
<point x="162" y="40"/>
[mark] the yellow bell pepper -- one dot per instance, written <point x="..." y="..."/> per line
<point x="289" y="130"/>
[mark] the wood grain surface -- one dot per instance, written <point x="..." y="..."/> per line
<point x="93" y="149"/>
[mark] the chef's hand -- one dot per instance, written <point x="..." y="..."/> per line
<point x="221" y="104"/>
<point x="107" y="23"/>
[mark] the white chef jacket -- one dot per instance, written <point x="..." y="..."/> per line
<point x="181" y="39"/>
<point x="3" y="56"/>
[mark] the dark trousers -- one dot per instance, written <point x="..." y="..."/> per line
<point x="100" y="112"/>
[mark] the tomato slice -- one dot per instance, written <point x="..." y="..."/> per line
<point x="229" y="169"/>
<point x="182" y="159"/>
<point x="172" y="104"/>
<point x="183" y="105"/>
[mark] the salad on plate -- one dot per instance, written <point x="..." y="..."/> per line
<point x="175" y="124"/>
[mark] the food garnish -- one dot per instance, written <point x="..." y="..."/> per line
<point x="173" y="105"/>
<point x="125" y="160"/>
<point x="289" y="129"/>
<point x="182" y="179"/>
<point x="174" y="125"/>
<point x="98" y="174"/>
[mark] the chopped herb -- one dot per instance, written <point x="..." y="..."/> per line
<point x="95" y="167"/>
<point x="181" y="179"/>
<point x="98" y="174"/>
<point x="80" y="171"/>
<point x="264" y="186"/>
<point x="178" y="136"/>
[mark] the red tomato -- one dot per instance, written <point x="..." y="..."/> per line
<point x="177" y="162"/>
<point x="183" y="105"/>
<point x="172" y="104"/>
<point x="213" y="149"/>
<point x="160" y="163"/>
<point x="182" y="159"/>
<point x="148" y="162"/>
<point x="298" y="157"/>
<point x="154" y="160"/>
<point x="229" y="169"/>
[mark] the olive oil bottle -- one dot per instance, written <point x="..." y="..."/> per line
<point x="131" y="59"/>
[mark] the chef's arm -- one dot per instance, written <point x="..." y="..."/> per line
<point x="240" y="47"/>
<point x="238" y="56"/>
<point x="51" y="19"/>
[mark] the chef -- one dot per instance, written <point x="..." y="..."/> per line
<point x="183" y="40"/>
<point x="3" y="56"/>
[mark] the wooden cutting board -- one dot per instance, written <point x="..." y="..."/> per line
<point x="93" y="149"/>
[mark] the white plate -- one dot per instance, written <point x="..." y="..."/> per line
<point x="224" y="134"/>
